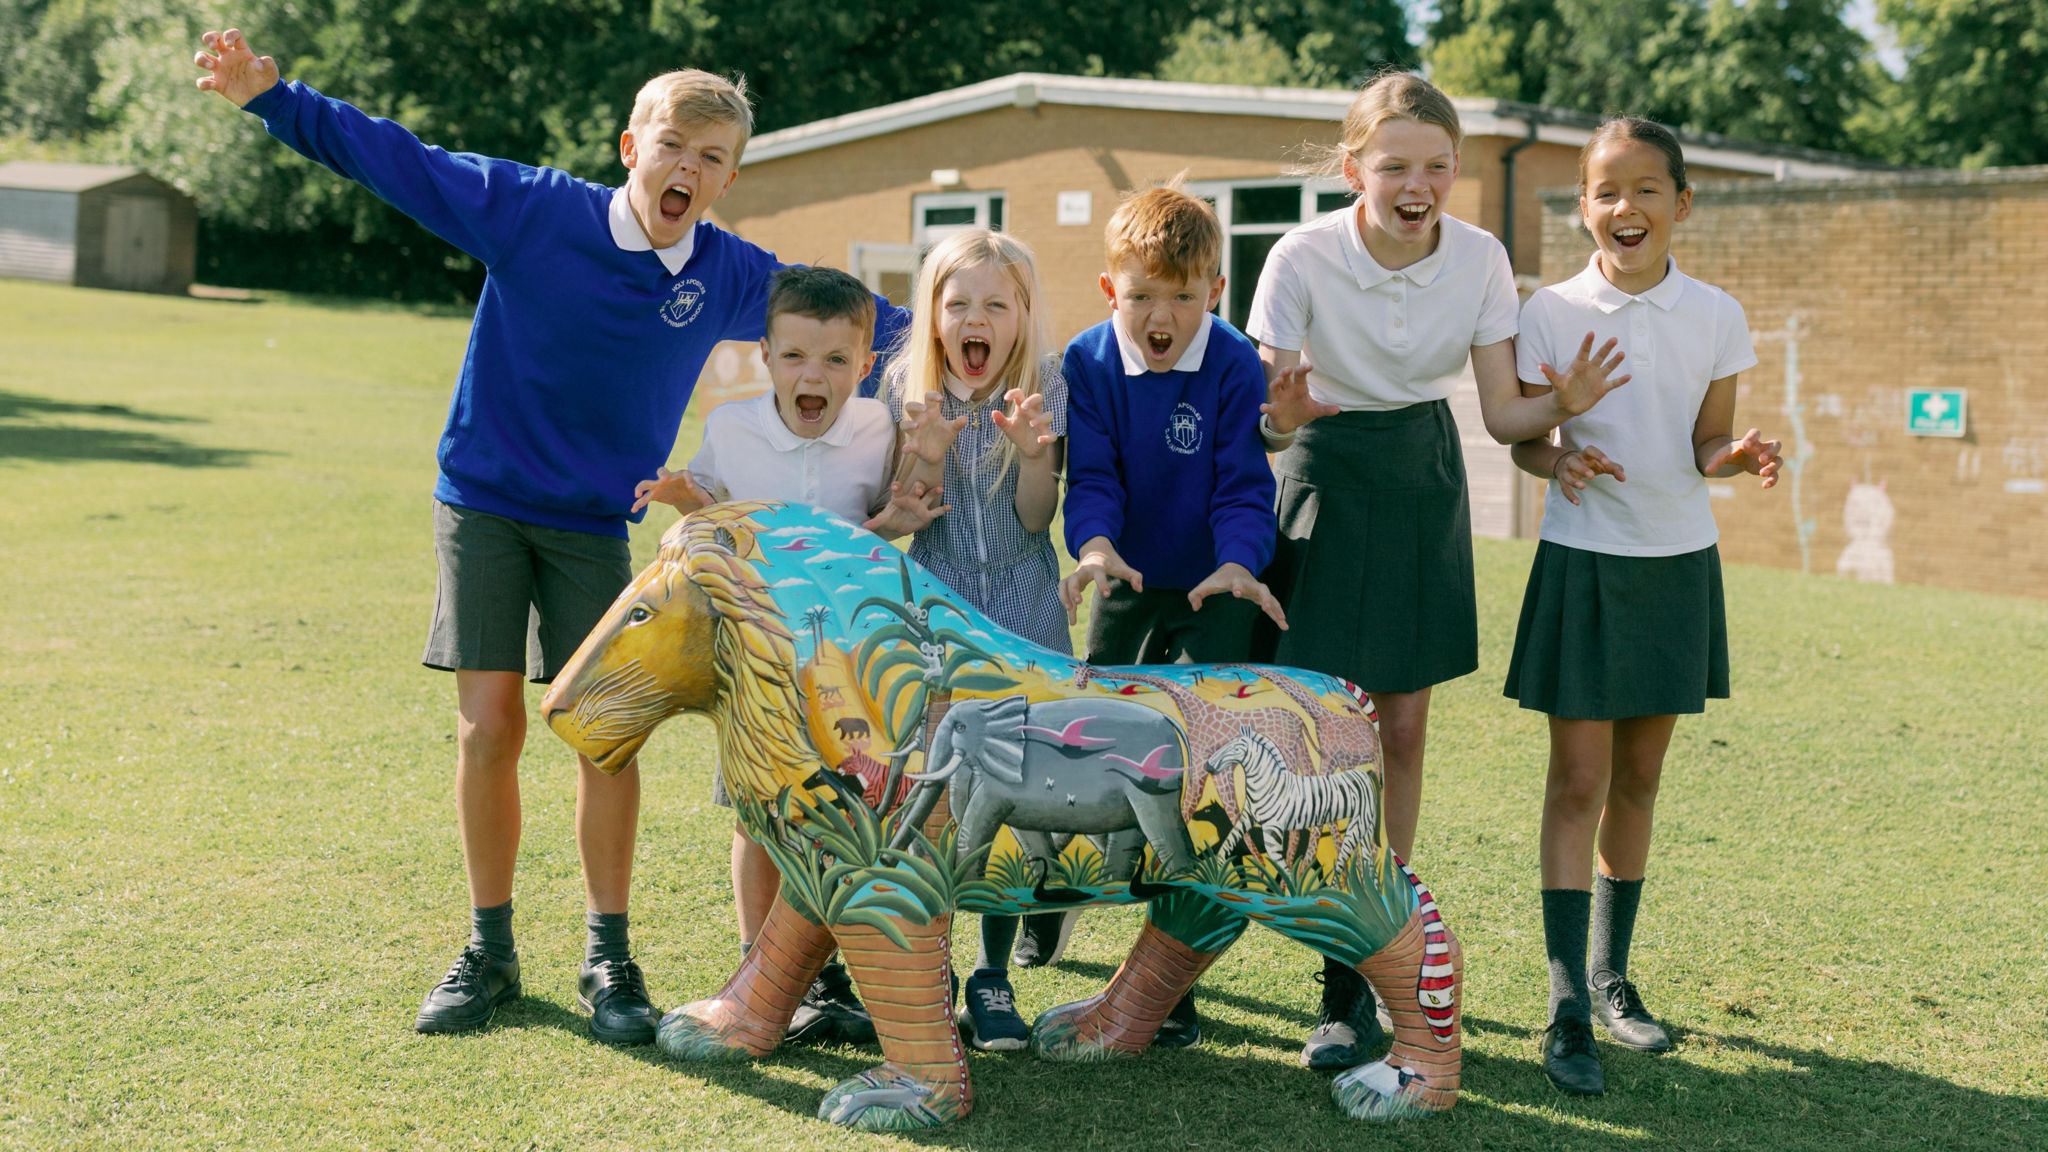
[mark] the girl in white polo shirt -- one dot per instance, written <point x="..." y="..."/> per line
<point x="1622" y="626"/>
<point x="1365" y="319"/>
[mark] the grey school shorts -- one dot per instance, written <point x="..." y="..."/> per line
<point x="517" y="597"/>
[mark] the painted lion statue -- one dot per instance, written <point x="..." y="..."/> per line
<point x="900" y="757"/>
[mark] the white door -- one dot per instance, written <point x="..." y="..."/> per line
<point x="138" y="236"/>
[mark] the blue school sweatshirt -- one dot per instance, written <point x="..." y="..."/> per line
<point x="1169" y="465"/>
<point x="583" y="355"/>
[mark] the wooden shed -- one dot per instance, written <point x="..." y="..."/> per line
<point x="96" y="226"/>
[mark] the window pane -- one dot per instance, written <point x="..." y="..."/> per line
<point x="995" y="213"/>
<point x="1265" y="205"/>
<point x="1331" y="201"/>
<point x="1247" y="260"/>
<point x="938" y="216"/>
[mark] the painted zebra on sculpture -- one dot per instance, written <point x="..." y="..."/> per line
<point x="1282" y="802"/>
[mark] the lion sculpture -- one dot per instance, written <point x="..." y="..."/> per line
<point x="901" y="757"/>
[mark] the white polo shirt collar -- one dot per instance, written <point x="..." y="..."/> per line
<point x="1190" y="360"/>
<point x="780" y="438"/>
<point x="630" y="237"/>
<point x="1609" y="299"/>
<point x="1367" y="271"/>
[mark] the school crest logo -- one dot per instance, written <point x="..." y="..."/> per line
<point x="1184" y="429"/>
<point x="685" y="300"/>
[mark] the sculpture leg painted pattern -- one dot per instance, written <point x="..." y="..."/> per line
<point x="1420" y="974"/>
<point x="1123" y="1019"/>
<point x="749" y="1015"/>
<point x="924" y="1080"/>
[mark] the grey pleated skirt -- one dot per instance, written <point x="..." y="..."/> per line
<point x="1606" y="637"/>
<point x="1374" y="564"/>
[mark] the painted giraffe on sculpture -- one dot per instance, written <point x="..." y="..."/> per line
<point x="1345" y="738"/>
<point x="1211" y="726"/>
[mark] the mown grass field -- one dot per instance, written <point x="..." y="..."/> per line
<point x="229" y="869"/>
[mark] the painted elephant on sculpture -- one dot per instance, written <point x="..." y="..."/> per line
<point x="1100" y="767"/>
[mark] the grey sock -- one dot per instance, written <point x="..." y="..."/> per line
<point x="998" y="933"/>
<point x="491" y="930"/>
<point x="1614" y="923"/>
<point x="1564" y="938"/>
<point x="607" y="939"/>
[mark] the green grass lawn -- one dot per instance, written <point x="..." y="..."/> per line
<point x="229" y="868"/>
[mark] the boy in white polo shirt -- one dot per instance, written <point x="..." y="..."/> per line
<point x="808" y="440"/>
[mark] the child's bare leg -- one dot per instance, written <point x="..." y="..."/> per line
<point x="1638" y="767"/>
<point x="1581" y="754"/>
<point x="1404" y="730"/>
<point x="607" y="821"/>
<point x="1638" y="764"/>
<point x="754" y="884"/>
<point x="490" y="730"/>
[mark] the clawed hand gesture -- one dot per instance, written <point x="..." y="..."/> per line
<point x="232" y="69"/>
<point x="1099" y="564"/>
<point x="1026" y="423"/>
<point x="1752" y="454"/>
<point x="927" y="434"/>
<point x="1238" y="581"/>
<point x="1288" y="405"/>
<point x="1575" y="469"/>
<point x="911" y="508"/>
<point x="1587" y="378"/>
<point x="676" y="489"/>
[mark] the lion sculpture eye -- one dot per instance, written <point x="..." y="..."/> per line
<point x="639" y="615"/>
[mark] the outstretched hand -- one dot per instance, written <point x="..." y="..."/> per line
<point x="1099" y="565"/>
<point x="676" y="489"/>
<point x="1026" y="423"/>
<point x="1575" y="469"/>
<point x="1752" y="454"/>
<point x="232" y="69"/>
<point x="927" y="434"/>
<point x="1288" y="404"/>
<point x="1238" y="581"/>
<point x="1587" y="378"/>
<point x="911" y="508"/>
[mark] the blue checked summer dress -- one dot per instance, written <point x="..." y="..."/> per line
<point x="980" y="549"/>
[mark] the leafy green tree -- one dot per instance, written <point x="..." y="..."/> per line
<point x="1975" y="90"/>
<point x="1208" y="53"/>
<point x="1786" y="71"/>
<point x="52" y="71"/>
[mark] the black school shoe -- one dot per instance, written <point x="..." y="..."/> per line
<point x="614" y="992"/>
<point x="1569" y="1058"/>
<point x="830" y="1012"/>
<point x="1619" y="1010"/>
<point x="1348" y="1027"/>
<point x="1183" y="1028"/>
<point x="470" y="993"/>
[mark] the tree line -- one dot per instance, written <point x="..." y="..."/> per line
<point x="551" y="81"/>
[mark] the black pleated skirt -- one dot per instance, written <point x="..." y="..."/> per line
<point x="1374" y="564"/>
<point x="1607" y="637"/>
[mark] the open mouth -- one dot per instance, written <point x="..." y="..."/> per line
<point x="675" y="203"/>
<point x="974" y="355"/>
<point x="810" y="409"/>
<point x="1160" y="342"/>
<point x="1630" y="237"/>
<point x="1412" y="213"/>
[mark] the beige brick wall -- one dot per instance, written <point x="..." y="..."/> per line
<point x="1880" y="285"/>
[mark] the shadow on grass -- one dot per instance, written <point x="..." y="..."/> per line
<point x="25" y="435"/>
<point x="1795" y="1098"/>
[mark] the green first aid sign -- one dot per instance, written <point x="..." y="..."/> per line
<point x="1935" y="411"/>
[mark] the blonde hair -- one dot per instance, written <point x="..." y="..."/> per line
<point x="1169" y="234"/>
<point x="1389" y="96"/>
<point x="921" y="363"/>
<point x="694" y="96"/>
